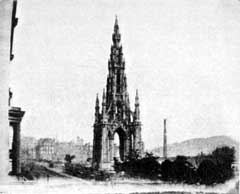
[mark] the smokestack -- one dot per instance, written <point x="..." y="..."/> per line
<point x="165" y="139"/>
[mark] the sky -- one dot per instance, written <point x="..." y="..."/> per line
<point x="181" y="55"/>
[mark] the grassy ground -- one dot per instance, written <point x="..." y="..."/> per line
<point x="33" y="171"/>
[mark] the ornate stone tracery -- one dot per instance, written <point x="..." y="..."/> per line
<point x="116" y="115"/>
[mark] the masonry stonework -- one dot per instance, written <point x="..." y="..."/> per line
<point x="116" y="116"/>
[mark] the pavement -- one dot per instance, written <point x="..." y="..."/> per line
<point x="70" y="186"/>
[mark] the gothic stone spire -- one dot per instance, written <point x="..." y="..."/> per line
<point x="116" y="37"/>
<point x="116" y="100"/>
<point x="116" y="116"/>
<point x="97" y="114"/>
<point x="137" y="109"/>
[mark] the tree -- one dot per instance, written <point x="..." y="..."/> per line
<point x="224" y="158"/>
<point x="146" y="167"/>
<point x="167" y="170"/>
<point x="180" y="168"/>
<point x="117" y="165"/>
<point x="207" y="172"/>
<point x="135" y="155"/>
<point x="183" y="170"/>
<point x="68" y="158"/>
<point x="149" y="166"/>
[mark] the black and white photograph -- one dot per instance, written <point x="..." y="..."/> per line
<point x="119" y="96"/>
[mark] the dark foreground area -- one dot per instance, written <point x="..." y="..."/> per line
<point x="211" y="169"/>
<point x="72" y="186"/>
<point x="33" y="171"/>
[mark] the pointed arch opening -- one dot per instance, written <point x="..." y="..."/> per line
<point x="119" y="144"/>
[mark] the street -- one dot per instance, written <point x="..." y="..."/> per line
<point x="69" y="186"/>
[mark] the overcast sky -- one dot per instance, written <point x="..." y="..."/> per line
<point x="183" y="56"/>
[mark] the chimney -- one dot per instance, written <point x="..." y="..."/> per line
<point x="165" y="139"/>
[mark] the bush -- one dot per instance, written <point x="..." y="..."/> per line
<point x="213" y="168"/>
<point x="180" y="170"/>
<point x="146" y="167"/>
<point x="218" y="165"/>
<point x="167" y="170"/>
<point x="51" y="165"/>
<point x="224" y="158"/>
<point x="68" y="158"/>
<point x="207" y="172"/>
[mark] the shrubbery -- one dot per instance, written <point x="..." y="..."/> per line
<point x="84" y="172"/>
<point x="146" y="167"/>
<point x="213" y="168"/>
<point x="217" y="167"/>
<point x="180" y="170"/>
<point x="207" y="169"/>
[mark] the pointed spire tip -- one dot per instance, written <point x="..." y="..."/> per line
<point x="97" y="100"/>
<point x="116" y="21"/>
<point x="104" y="95"/>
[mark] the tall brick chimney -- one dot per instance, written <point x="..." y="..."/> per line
<point x="165" y="139"/>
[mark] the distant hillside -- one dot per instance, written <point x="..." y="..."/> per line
<point x="195" y="146"/>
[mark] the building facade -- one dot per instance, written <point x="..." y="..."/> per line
<point x="116" y="116"/>
<point x="28" y="148"/>
<point x="82" y="151"/>
<point x="52" y="150"/>
<point x="45" y="149"/>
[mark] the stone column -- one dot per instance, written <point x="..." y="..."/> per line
<point x="16" y="143"/>
<point x="104" y="146"/>
<point x="111" y="149"/>
<point x="138" y="138"/>
<point x="15" y="118"/>
<point x="127" y="146"/>
<point x="134" y="142"/>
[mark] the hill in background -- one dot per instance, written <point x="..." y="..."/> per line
<point x="193" y="147"/>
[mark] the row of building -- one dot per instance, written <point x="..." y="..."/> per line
<point x="50" y="149"/>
